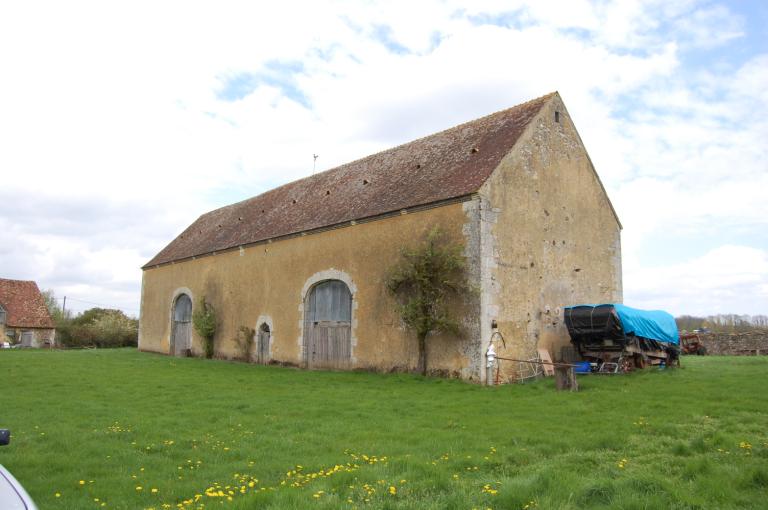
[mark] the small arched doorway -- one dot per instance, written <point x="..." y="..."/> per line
<point x="262" y="344"/>
<point x="181" y="327"/>
<point x="327" y="325"/>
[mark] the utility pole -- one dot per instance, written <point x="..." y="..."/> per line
<point x="64" y="307"/>
<point x="314" y="162"/>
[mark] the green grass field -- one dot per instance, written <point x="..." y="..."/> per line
<point x="122" y="429"/>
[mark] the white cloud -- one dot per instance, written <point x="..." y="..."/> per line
<point x="728" y="279"/>
<point x="114" y="130"/>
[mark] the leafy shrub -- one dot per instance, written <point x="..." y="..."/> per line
<point x="98" y="327"/>
<point x="423" y="281"/>
<point x="204" y="320"/>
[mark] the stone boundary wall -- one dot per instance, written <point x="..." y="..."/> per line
<point x="750" y="343"/>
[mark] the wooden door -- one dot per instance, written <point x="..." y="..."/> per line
<point x="330" y="345"/>
<point x="27" y="339"/>
<point x="181" y="334"/>
<point x="262" y="345"/>
<point x="327" y="327"/>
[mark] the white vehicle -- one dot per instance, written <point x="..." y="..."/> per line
<point x="12" y="494"/>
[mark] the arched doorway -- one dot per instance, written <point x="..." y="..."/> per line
<point x="262" y="344"/>
<point x="327" y="325"/>
<point x="181" y="328"/>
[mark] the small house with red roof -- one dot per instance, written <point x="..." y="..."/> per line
<point x="24" y="317"/>
<point x="305" y="265"/>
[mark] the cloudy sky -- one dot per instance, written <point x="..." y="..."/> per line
<point x="121" y="122"/>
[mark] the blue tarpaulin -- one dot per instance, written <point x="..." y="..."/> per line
<point x="655" y="324"/>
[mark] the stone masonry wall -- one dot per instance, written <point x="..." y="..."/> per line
<point x="736" y="344"/>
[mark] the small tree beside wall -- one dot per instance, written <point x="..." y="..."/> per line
<point x="423" y="282"/>
<point x="204" y="320"/>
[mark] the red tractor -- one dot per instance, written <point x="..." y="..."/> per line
<point x="690" y="343"/>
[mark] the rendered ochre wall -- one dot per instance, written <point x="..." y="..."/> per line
<point x="270" y="280"/>
<point x="549" y="237"/>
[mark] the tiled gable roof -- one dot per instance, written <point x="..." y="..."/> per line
<point x="443" y="166"/>
<point x="24" y="305"/>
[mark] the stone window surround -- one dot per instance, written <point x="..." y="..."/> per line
<point x="176" y="293"/>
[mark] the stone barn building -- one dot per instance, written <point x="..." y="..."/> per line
<point x="305" y="265"/>
<point x="24" y="317"/>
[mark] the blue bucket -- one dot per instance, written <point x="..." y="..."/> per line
<point x="582" y="367"/>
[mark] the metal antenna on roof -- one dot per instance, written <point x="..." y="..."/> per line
<point x="314" y="162"/>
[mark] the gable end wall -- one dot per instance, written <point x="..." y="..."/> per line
<point x="552" y="238"/>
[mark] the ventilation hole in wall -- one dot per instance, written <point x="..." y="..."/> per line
<point x="576" y="269"/>
<point x="567" y="218"/>
<point x="532" y="264"/>
<point x="546" y="213"/>
<point x="557" y="116"/>
<point x="563" y="242"/>
<point x="418" y="165"/>
<point x="366" y="181"/>
<point x="475" y="150"/>
<point x="327" y="192"/>
<point x="262" y="211"/>
<point x="294" y="200"/>
<point x="554" y="242"/>
<point x="219" y="226"/>
<point x="239" y="218"/>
